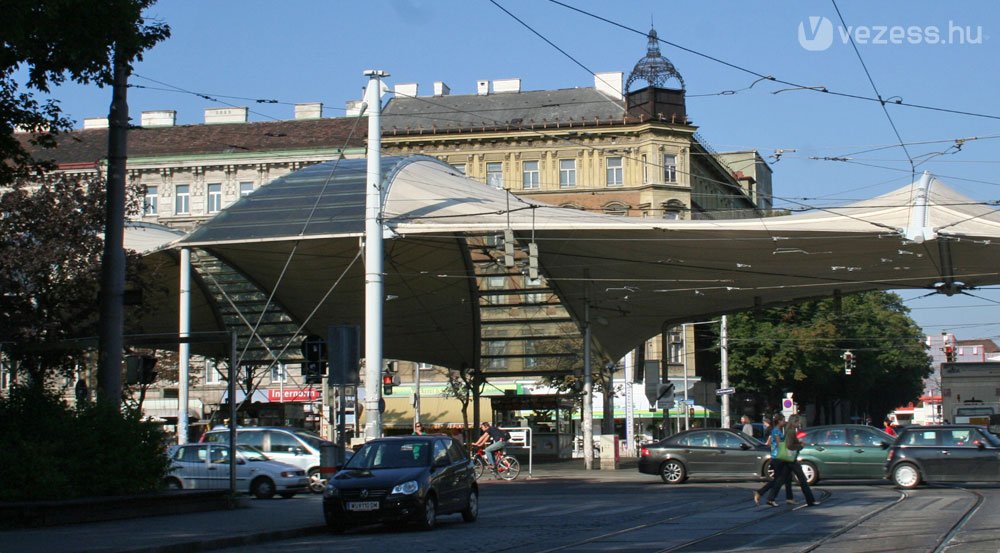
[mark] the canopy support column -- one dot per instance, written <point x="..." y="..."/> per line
<point x="184" y="348"/>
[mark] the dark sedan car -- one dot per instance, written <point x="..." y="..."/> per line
<point x="841" y="451"/>
<point x="713" y="453"/>
<point x="952" y="453"/>
<point x="402" y="479"/>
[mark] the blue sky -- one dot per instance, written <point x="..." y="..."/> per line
<point x="929" y="53"/>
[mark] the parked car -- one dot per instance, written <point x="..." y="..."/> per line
<point x="714" y="453"/>
<point x="206" y="467"/>
<point x="951" y="453"/>
<point x="294" y="446"/>
<point x="844" y="451"/>
<point x="402" y="479"/>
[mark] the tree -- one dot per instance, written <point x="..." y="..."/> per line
<point x="50" y="251"/>
<point x="460" y="385"/>
<point x="799" y="348"/>
<point x="46" y="42"/>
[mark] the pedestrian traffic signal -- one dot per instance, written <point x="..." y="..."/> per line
<point x="387" y="382"/>
<point x="849" y="363"/>
<point x="314" y="371"/>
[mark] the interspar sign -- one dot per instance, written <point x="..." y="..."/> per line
<point x="294" y="394"/>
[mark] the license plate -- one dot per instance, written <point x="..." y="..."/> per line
<point x="362" y="505"/>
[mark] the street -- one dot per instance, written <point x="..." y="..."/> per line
<point x="646" y="516"/>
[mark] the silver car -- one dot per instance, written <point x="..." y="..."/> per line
<point x="294" y="446"/>
<point x="206" y="467"/>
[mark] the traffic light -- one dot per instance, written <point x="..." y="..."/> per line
<point x="313" y="371"/>
<point x="314" y="351"/>
<point x="387" y="382"/>
<point x="849" y="362"/>
<point x="949" y="353"/>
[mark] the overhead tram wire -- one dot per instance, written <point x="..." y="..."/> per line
<point x="448" y="109"/>
<point x="882" y="102"/>
<point x="799" y="86"/>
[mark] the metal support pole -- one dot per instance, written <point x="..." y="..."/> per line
<point x="724" y="341"/>
<point x="374" y="280"/>
<point x="233" y="375"/>
<point x="588" y="393"/>
<point x="184" y="348"/>
<point x="629" y="407"/>
<point x="687" y="412"/>
<point x="416" y="395"/>
<point x="112" y="311"/>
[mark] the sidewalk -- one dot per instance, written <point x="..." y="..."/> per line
<point x="260" y="522"/>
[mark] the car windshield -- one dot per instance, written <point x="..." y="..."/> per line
<point x="390" y="455"/>
<point x="251" y="453"/>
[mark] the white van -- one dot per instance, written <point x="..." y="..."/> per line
<point x="293" y="446"/>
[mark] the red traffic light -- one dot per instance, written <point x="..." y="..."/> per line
<point x="387" y="379"/>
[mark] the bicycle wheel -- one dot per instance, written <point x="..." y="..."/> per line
<point x="480" y="466"/>
<point x="509" y="468"/>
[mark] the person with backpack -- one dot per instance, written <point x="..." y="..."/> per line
<point x="499" y="437"/>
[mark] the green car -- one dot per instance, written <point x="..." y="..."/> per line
<point x="844" y="451"/>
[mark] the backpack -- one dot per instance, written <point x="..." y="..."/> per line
<point x="506" y="435"/>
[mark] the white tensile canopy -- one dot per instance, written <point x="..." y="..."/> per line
<point x="298" y="236"/>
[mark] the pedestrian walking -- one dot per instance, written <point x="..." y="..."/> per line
<point x="788" y="452"/>
<point x="887" y="427"/>
<point x="747" y="425"/>
<point x="774" y="437"/>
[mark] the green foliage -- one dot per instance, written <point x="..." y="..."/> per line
<point x="46" y="42"/>
<point x="54" y="452"/>
<point x="799" y="348"/>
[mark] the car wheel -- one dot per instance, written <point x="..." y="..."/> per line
<point x="673" y="472"/>
<point x="287" y="495"/>
<point x="429" y="515"/>
<point x="906" y="476"/>
<point x="810" y="471"/>
<point x="471" y="511"/>
<point x="173" y="484"/>
<point x="316" y="481"/>
<point x="262" y="488"/>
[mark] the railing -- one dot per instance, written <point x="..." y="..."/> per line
<point x="520" y="437"/>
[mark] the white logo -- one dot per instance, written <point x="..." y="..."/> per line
<point x="820" y="34"/>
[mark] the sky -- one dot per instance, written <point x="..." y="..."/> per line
<point x="939" y="55"/>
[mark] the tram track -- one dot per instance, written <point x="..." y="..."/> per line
<point x="941" y="544"/>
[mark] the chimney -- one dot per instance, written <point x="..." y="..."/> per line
<point x="215" y="116"/>
<point x="95" y="123"/>
<point x="482" y="88"/>
<point x="353" y="108"/>
<point x="441" y="89"/>
<point x="507" y="85"/>
<point x="311" y="110"/>
<point x="407" y="90"/>
<point x="610" y="83"/>
<point x="159" y="118"/>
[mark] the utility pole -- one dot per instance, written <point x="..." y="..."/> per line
<point x="374" y="252"/>
<point x="112" y="312"/>
<point x="724" y="339"/>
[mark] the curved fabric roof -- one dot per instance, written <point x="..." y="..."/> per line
<point x="636" y="274"/>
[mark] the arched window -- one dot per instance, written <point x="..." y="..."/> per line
<point x="615" y="208"/>
<point x="673" y="210"/>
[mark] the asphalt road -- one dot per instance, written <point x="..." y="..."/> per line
<point x="642" y="515"/>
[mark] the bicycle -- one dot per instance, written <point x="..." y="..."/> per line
<point x="507" y="468"/>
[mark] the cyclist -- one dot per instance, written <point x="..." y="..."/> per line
<point x="490" y="431"/>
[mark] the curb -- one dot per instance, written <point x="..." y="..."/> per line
<point x="229" y="541"/>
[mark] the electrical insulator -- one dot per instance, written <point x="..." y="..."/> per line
<point x="533" y="261"/>
<point x="508" y="248"/>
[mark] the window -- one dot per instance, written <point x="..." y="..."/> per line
<point x="246" y="188"/>
<point x="460" y="167"/>
<point x="669" y="168"/>
<point x="495" y="348"/>
<point x="534" y="297"/>
<point x="529" y="175"/>
<point x="214" y="198"/>
<point x="212" y="374"/>
<point x="152" y="201"/>
<point x="726" y="440"/>
<point x="283" y="443"/>
<point x="567" y="173"/>
<point x="494" y="175"/>
<point x="182" y="201"/>
<point x="833" y="436"/>
<point x="645" y="170"/>
<point x="278" y="373"/>
<point x="616" y="208"/>
<point x="615" y="171"/>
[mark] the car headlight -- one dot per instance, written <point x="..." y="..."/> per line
<point x="330" y="490"/>
<point x="406" y="488"/>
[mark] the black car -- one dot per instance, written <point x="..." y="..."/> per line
<point x="950" y="453"/>
<point x="402" y="479"/>
<point x="714" y="453"/>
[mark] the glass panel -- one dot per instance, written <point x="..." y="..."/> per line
<point x="494" y="175"/>
<point x="567" y="173"/>
<point x="246" y="188"/>
<point x="614" y="172"/>
<point x="669" y="168"/>
<point x="182" y="201"/>
<point x="530" y="176"/>
<point x="214" y="198"/>
<point x="152" y="201"/>
<point x="283" y="443"/>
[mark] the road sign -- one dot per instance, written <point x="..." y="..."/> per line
<point x="725" y="391"/>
